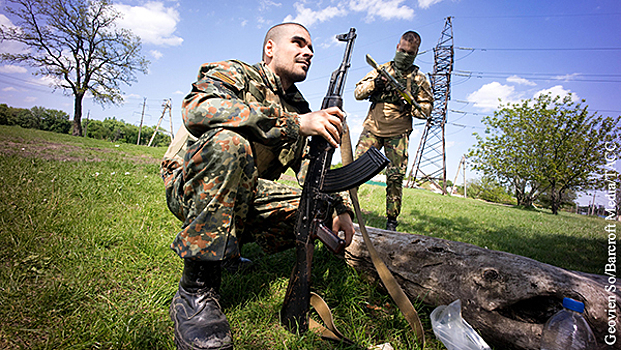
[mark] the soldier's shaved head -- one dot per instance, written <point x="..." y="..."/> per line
<point x="278" y="31"/>
<point x="411" y="37"/>
<point x="287" y="51"/>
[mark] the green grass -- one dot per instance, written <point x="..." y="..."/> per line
<point x="85" y="260"/>
<point x="566" y="240"/>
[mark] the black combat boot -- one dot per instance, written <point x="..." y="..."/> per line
<point x="391" y="223"/>
<point x="195" y="309"/>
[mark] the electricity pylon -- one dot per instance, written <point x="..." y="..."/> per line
<point x="430" y="161"/>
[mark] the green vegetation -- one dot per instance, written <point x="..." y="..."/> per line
<point x="85" y="262"/>
<point x="548" y="145"/>
<point x="109" y="129"/>
<point x="103" y="55"/>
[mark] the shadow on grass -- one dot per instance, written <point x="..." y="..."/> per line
<point x="354" y="303"/>
<point x="240" y="288"/>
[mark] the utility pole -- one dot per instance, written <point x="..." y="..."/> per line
<point x="141" y="119"/>
<point x="430" y="161"/>
<point x="465" y="186"/>
<point x="166" y="106"/>
<point x="170" y="116"/>
<point x="461" y="162"/>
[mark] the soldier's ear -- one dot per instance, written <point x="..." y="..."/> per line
<point x="269" y="49"/>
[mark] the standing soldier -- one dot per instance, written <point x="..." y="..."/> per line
<point x="389" y="121"/>
<point x="243" y="127"/>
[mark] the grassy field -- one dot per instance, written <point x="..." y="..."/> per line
<point x="85" y="262"/>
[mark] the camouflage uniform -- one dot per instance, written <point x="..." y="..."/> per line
<point x="389" y="124"/>
<point x="241" y="132"/>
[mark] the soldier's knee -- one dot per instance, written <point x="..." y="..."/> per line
<point x="227" y="141"/>
<point x="395" y="172"/>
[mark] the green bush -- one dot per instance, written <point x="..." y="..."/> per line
<point x="489" y="190"/>
<point x="109" y="129"/>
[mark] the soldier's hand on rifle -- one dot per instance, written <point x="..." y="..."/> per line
<point x="327" y="123"/>
<point x="380" y="83"/>
<point x="344" y="223"/>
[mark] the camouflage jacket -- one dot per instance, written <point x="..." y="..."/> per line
<point x="388" y="115"/>
<point x="250" y="100"/>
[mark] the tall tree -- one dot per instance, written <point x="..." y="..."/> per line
<point x="78" y="44"/>
<point x="549" y="144"/>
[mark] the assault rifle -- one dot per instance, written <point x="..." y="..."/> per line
<point x="314" y="216"/>
<point x="394" y="83"/>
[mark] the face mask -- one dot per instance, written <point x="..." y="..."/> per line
<point x="403" y="60"/>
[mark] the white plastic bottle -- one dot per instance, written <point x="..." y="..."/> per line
<point x="567" y="329"/>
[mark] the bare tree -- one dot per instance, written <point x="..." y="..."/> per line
<point x="78" y="44"/>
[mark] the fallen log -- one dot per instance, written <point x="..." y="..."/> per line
<point x="506" y="297"/>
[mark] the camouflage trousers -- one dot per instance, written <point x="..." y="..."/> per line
<point x="222" y="202"/>
<point x="396" y="150"/>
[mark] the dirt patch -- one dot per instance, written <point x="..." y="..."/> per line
<point x="60" y="152"/>
<point x="45" y="150"/>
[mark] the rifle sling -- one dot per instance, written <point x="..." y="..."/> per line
<point x="394" y="289"/>
<point x="329" y="331"/>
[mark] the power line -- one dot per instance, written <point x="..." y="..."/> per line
<point x="541" y="49"/>
<point x="540" y="74"/>
<point x="466" y="126"/>
<point x="23" y="80"/>
<point x="25" y="84"/>
<point x="573" y="77"/>
<point x="546" y="15"/>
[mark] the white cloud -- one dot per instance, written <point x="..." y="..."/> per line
<point x="520" y="81"/>
<point x="308" y="17"/>
<point x="426" y="3"/>
<point x="12" y="69"/>
<point x="5" y="21"/>
<point x="153" y="22"/>
<point x="156" y="54"/>
<point x="133" y="96"/>
<point x="47" y="80"/>
<point x="10" y="88"/>
<point x="10" y="46"/>
<point x="386" y="9"/>
<point x="330" y="42"/>
<point x="30" y="99"/>
<point x="265" y="5"/>
<point x="262" y="22"/>
<point x="487" y="96"/>
<point x="557" y="90"/>
<point x="567" y="77"/>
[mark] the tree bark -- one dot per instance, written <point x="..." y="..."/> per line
<point x="506" y="297"/>
<point x="77" y="114"/>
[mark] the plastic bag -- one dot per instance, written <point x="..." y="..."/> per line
<point x="453" y="331"/>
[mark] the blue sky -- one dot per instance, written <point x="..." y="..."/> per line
<point x="503" y="49"/>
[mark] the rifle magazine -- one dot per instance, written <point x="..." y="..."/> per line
<point x="356" y="173"/>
